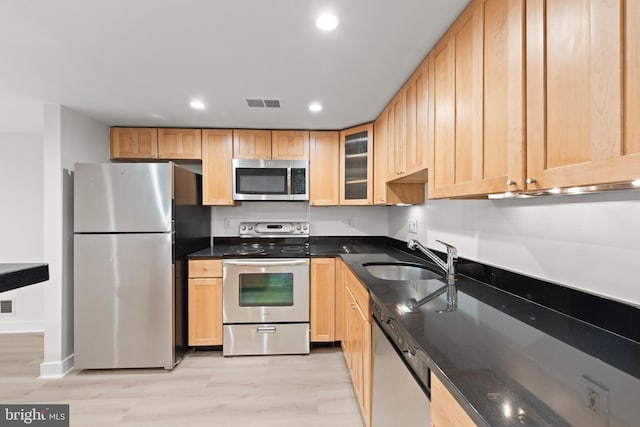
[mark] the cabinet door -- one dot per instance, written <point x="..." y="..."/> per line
<point x="290" y="145"/>
<point x="217" y="155"/>
<point x="251" y="144"/>
<point x="180" y="144"/>
<point x="380" y="166"/>
<point x="134" y="143"/>
<point x="205" y="311"/>
<point x="339" y="327"/>
<point x="398" y="136"/>
<point x="582" y="129"/>
<point x="324" y="168"/>
<point x="445" y="410"/>
<point x="478" y="103"/>
<point x="416" y="111"/>
<point x="323" y="299"/>
<point x="356" y="165"/>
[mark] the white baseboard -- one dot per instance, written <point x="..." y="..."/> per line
<point x="56" y="369"/>
<point x="21" y="327"/>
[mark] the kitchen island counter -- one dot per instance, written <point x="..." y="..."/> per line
<point x="17" y="275"/>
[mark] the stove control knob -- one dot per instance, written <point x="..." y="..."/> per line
<point x="242" y="227"/>
<point x="298" y="228"/>
<point x="304" y="227"/>
<point x="250" y="227"/>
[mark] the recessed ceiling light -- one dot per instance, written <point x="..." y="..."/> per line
<point x="196" y="104"/>
<point x="315" y="107"/>
<point x="327" y="22"/>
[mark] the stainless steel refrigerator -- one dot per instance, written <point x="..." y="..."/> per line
<point x="134" y="224"/>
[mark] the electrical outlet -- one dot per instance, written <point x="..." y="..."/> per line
<point x="227" y="223"/>
<point x="596" y="399"/>
<point x="413" y="226"/>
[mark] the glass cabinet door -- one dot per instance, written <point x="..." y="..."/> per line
<point x="356" y="165"/>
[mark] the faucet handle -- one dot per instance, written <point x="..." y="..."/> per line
<point x="451" y="250"/>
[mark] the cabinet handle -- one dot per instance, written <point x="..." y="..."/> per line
<point x="510" y="182"/>
<point x="530" y="181"/>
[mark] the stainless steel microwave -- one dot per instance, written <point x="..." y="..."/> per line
<point x="270" y="179"/>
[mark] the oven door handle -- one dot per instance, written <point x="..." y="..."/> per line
<point x="261" y="263"/>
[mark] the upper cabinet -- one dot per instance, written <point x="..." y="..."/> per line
<point x="289" y="145"/>
<point x="266" y="144"/>
<point x="356" y="165"/>
<point x="251" y="144"/>
<point x="217" y="155"/>
<point x="180" y="144"/>
<point x="152" y="143"/>
<point x="134" y="143"/>
<point x="478" y="102"/>
<point x="583" y="108"/>
<point x="324" y="168"/>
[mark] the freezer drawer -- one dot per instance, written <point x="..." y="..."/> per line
<point x="272" y="338"/>
<point x="123" y="301"/>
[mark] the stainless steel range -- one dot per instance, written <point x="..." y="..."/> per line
<point x="266" y="290"/>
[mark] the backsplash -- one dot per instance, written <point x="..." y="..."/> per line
<point x="325" y="221"/>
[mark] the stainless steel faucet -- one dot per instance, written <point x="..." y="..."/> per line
<point x="448" y="267"/>
<point x="450" y="270"/>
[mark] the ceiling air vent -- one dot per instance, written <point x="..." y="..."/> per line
<point x="260" y="103"/>
<point x="253" y="103"/>
<point x="6" y="307"/>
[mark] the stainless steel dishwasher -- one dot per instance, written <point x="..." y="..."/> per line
<point x="398" y="397"/>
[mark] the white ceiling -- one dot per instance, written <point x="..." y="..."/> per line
<point x="139" y="62"/>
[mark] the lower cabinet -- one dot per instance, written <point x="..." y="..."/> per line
<point x="205" y="302"/>
<point x="323" y="299"/>
<point x="445" y="410"/>
<point x="356" y="340"/>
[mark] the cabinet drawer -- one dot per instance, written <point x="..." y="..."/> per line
<point x="205" y="268"/>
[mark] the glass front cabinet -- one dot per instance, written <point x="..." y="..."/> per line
<point x="356" y="165"/>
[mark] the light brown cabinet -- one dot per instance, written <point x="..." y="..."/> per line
<point x="266" y="144"/>
<point x="356" y="165"/>
<point x="290" y="145"/>
<point x="217" y="155"/>
<point x="180" y="144"/>
<point x="251" y="144"/>
<point x="384" y="192"/>
<point x="583" y="108"/>
<point x="356" y="340"/>
<point x="323" y="299"/>
<point x="205" y="302"/>
<point x="134" y="143"/>
<point x="445" y="410"/>
<point x="324" y="168"/>
<point x="416" y="119"/>
<point x="478" y="101"/>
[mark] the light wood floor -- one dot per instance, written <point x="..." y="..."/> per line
<point x="204" y="390"/>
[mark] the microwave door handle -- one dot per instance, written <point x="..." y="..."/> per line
<point x="289" y="189"/>
<point x="302" y="261"/>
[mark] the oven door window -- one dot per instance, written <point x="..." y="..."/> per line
<point x="266" y="289"/>
<point x="261" y="181"/>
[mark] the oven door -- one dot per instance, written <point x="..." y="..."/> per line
<point x="265" y="290"/>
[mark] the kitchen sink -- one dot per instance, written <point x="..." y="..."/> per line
<point x="399" y="271"/>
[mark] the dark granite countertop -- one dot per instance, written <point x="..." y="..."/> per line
<point x="507" y="360"/>
<point x="17" y="275"/>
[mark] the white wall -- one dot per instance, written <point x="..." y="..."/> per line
<point x="588" y="242"/>
<point x="325" y="221"/>
<point x="21" y="191"/>
<point x="69" y="137"/>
